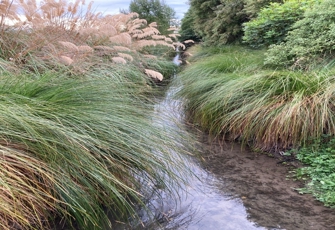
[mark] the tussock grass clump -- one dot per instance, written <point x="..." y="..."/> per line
<point x="73" y="148"/>
<point x="265" y="108"/>
<point x="76" y="139"/>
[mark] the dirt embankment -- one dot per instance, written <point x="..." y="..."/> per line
<point x="261" y="182"/>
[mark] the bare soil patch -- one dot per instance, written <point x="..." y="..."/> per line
<point x="261" y="181"/>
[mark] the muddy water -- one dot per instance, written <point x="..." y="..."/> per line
<point x="233" y="189"/>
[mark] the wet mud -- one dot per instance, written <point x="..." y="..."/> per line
<point x="261" y="182"/>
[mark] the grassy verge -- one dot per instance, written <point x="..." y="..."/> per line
<point x="230" y="93"/>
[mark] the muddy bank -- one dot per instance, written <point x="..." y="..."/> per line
<point x="261" y="183"/>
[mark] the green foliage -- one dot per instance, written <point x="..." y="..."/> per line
<point x="154" y="11"/>
<point x="274" y="21"/>
<point x="226" y="27"/>
<point x="320" y="170"/>
<point x="202" y="12"/>
<point x="253" y="7"/>
<point x="311" y="41"/>
<point x="87" y="142"/>
<point x="219" y="22"/>
<point x="232" y="94"/>
<point x="186" y="30"/>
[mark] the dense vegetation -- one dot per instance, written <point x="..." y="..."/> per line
<point x="76" y="133"/>
<point x="265" y="76"/>
<point x="319" y="173"/>
<point x="274" y="21"/>
<point x="219" y="22"/>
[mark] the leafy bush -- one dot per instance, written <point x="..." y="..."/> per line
<point x="311" y="41"/>
<point x="273" y="22"/>
<point x="253" y="7"/>
<point x="319" y="170"/>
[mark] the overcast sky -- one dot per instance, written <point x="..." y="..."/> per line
<point x="114" y="6"/>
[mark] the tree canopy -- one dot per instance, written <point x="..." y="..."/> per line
<point x="154" y="11"/>
<point x="220" y="21"/>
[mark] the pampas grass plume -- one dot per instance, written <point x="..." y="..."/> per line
<point x="123" y="38"/>
<point x="154" y="74"/>
<point x="121" y="49"/>
<point x="126" y="56"/>
<point x="65" y="60"/>
<point x="119" y="60"/>
<point x="85" y="49"/>
<point x="69" y="46"/>
<point x="188" y="41"/>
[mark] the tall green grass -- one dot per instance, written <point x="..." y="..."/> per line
<point x="232" y="94"/>
<point x="77" y="143"/>
<point x="76" y="147"/>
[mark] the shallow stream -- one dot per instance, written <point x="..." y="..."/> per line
<point x="233" y="189"/>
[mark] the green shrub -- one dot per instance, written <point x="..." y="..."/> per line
<point x="274" y="21"/>
<point x="311" y="41"/>
<point x="319" y="170"/>
<point x="253" y="7"/>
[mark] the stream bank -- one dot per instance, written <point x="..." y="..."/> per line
<point x="262" y="183"/>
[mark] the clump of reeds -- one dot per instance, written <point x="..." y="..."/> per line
<point x="230" y="94"/>
<point x="73" y="148"/>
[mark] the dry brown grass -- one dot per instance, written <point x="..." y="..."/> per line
<point x="27" y="199"/>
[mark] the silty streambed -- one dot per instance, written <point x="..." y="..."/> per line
<point x="233" y="189"/>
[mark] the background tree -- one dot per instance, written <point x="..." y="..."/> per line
<point x="311" y="42"/>
<point x="219" y="22"/>
<point x="253" y="7"/>
<point x="154" y="11"/>
<point x="187" y="28"/>
<point x="227" y="24"/>
<point x="202" y="12"/>
<point x="274" y="21"/>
